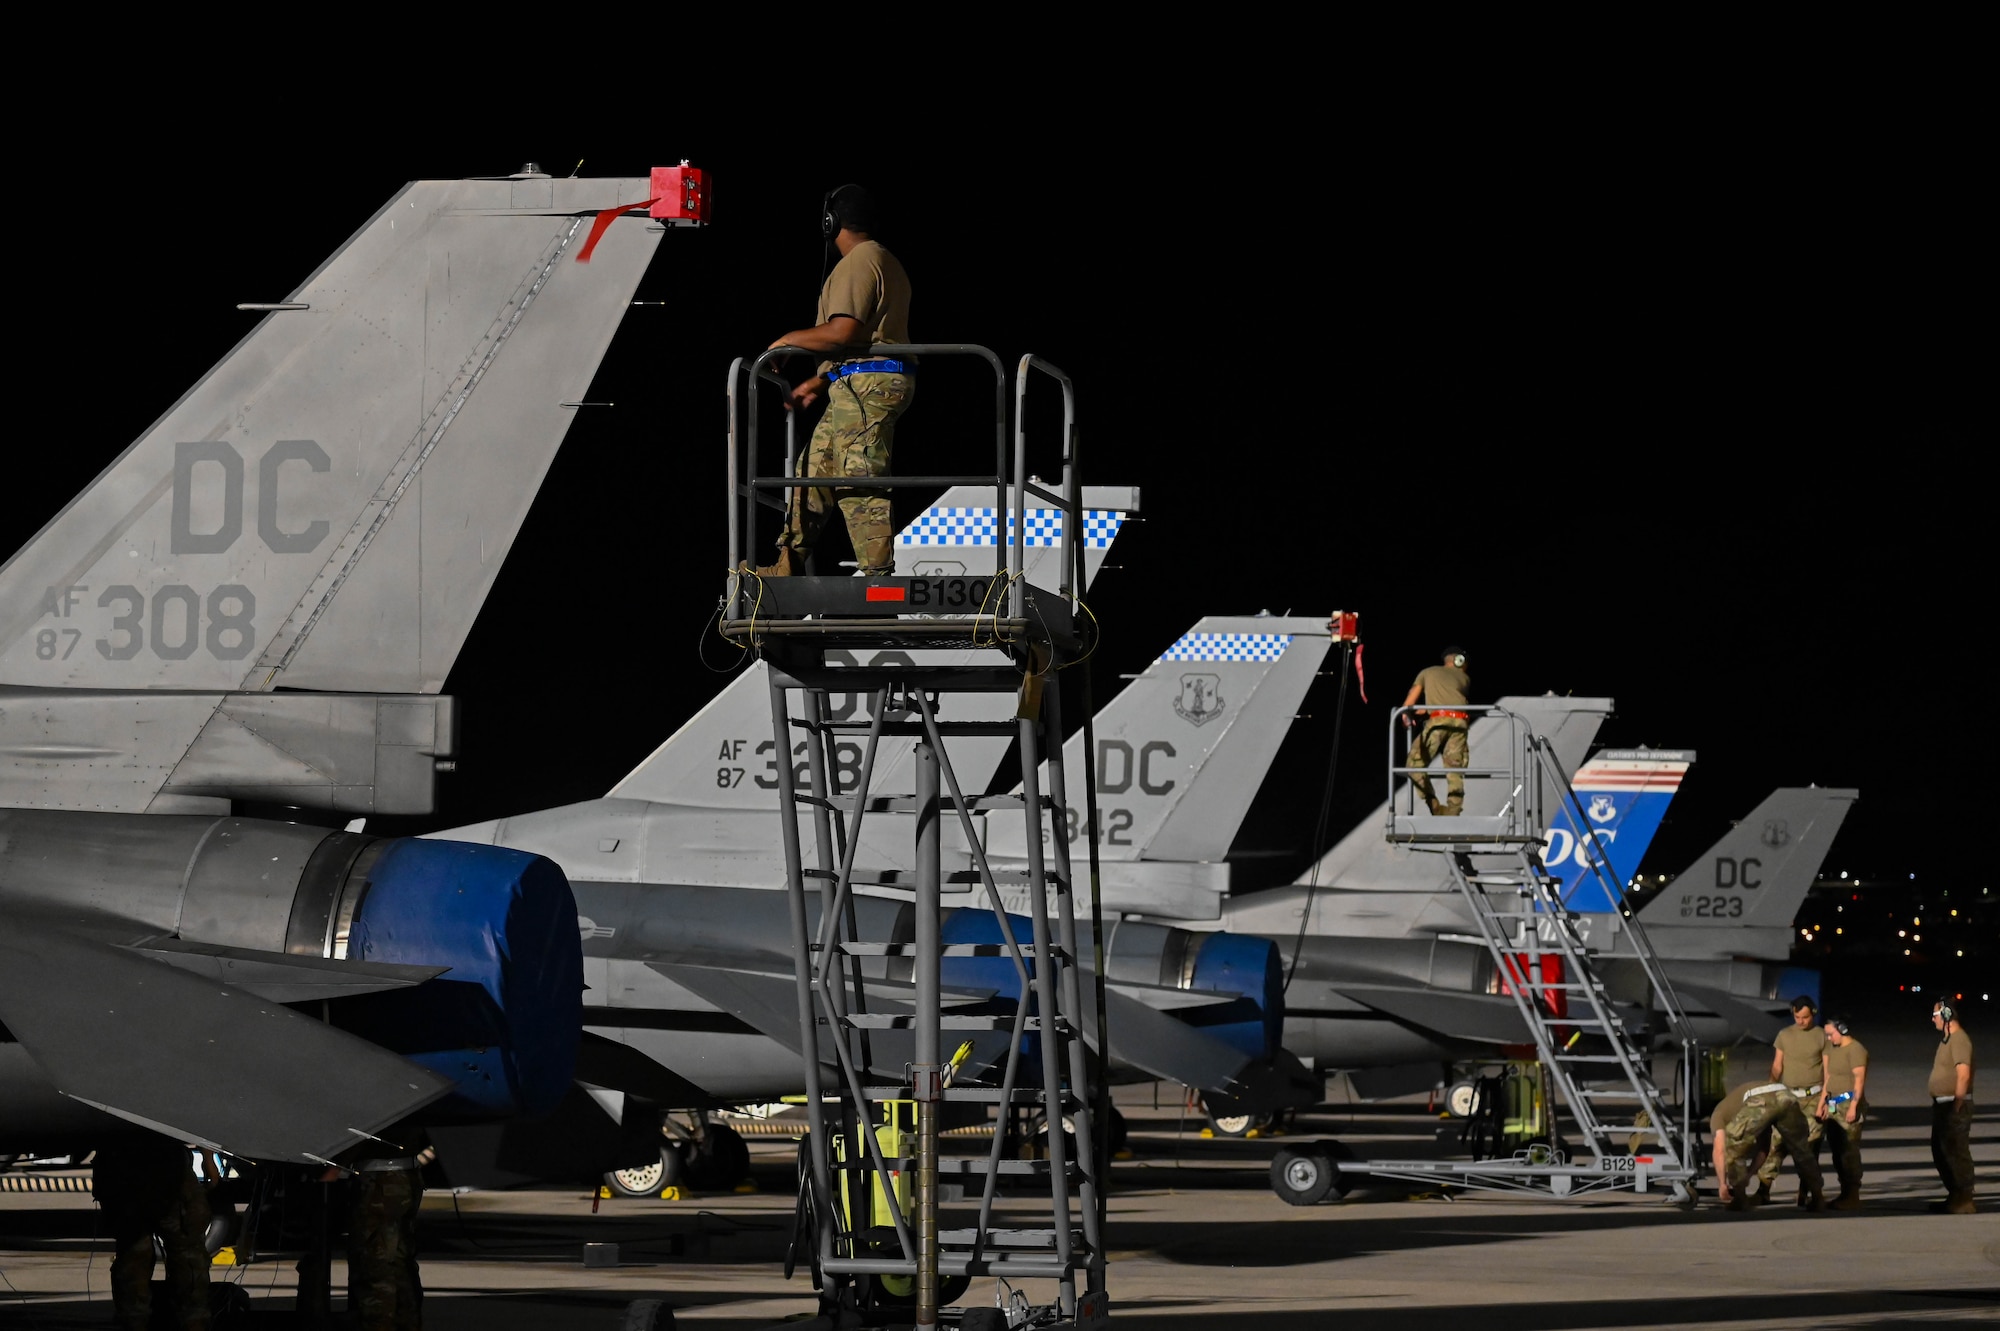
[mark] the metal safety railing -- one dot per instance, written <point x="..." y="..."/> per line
<point x="1519" y="816"/>
<point x="869" y="1037"/>
<point x="752" y="488"/>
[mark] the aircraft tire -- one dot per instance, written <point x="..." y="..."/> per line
<point x="1460" y="1099"/>
<point x="1234" y="1124"/>
<point x="651" y="1179"/>
<point x="721" y="1160"/>
<point x="1303" y="1175"/>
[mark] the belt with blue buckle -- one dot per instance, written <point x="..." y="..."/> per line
<point x="869" y="367"/>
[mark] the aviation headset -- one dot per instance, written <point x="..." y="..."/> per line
<point x="1837" y="1024"/>
<point x="829" y="225"/>
<point x="1456" y="656"/>
<point x="1944" y="1009"/>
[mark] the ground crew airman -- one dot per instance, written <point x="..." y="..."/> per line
<point x="1744" y="1124"/>
<point x="1843" y="1109"/>
<point x="1951" y="1110"/>
<point x="864" y="303"/>
<point x="1799" y="1061"/>
<point x="384" y="1291"/>
<point x="1447" y="726"/>
<point x="146" y="1183"/>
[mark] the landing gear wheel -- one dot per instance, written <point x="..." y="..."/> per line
<point x="649" y="1180"/>
<point x="719" y="1160"/>
<point x="1228" y="1120"/>
<point x="1038" y="1137"/>
<point x="1461" y="1099"/>
<point x="1303" y="1175"/>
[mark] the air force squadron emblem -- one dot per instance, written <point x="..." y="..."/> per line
<point x="1201" y="699"/>
<point x="1602" y="810"/>
<point x="1776" y="833"/>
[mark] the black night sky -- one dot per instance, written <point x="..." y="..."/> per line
<point x="1689" y="419"/>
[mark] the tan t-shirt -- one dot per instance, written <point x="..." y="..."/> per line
<point x="1955" y="1049"/>
<point x="1841" y="1061"/>
<point x="1443" y="685"/>
<point x="870" y="286"/>
<point x="1731" y="1106"/>
<point x="1802" y="1050"/>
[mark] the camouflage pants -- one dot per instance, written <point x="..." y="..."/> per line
<point x="1843" y="1139"/>
<point x="383" y="1291"/>
<point x="854" y="438"/>
<point x="1951" y="1145"/>
<point x="1450" y="739"/>
<point x="1767" y="1174"/>
<point x="181" y="1220"/>
<point x="1774" y="1112"/>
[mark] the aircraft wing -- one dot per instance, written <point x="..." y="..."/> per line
<point x="192" y="1057"/>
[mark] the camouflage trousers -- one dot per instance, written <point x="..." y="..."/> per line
<point x="854" y="438"/>
<point x="383" y="1290"/>
<point x="1767" y="1173"/>
<point x="1775" y="1113"/>
<point x="1843" y="1140"/>
<point x="1449" y="738"/>
<point x="180" y="1218"/>
<point x="1951" y="1145"/>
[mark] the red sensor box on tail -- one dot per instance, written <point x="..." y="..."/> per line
<point x="680" y="194"/>
<point x="1346" y="626"/>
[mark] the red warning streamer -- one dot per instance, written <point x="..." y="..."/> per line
<point x="604" y="219"/>
<point x="1359" y="676"/>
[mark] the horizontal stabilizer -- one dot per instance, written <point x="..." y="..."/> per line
<point x="1154" y="1042"/>
<point x="769" y="1002"/>
<point x="193" y="1058"/>
<point x="615" y="1065"/>
<point x="283" y="978"/>
<point x="1755" y="1016"/>
<point x="1479" y="1017"/>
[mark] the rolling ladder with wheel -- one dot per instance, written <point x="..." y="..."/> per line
<point x="876" y="1019"/>
<point x="1596" y="1051"/>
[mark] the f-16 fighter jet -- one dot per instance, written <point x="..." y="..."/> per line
<point x="258" y="601"/>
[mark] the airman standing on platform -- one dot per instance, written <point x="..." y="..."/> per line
<point x="1951" y="1110"/>
<point x="1442" y="689"/>
<point x="1744" y="1124"/>
<point x="865" y="303"/>
<point x="1842" y="1109"/>
<point x="1799" y="1063"/>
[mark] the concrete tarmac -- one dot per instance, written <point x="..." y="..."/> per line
<point x="1198" y="1240"/>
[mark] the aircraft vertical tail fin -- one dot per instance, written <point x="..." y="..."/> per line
<point x="1623" y="794"/>
<point x="323" y="514"/>
<point x="328" y="506"/>
<point x="1182" y="750"/>
<point x="1758" y="874"/>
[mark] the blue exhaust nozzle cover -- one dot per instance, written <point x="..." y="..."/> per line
<point x="504" y="1022"/>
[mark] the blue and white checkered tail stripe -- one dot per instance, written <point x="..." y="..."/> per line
<point x="1228" y="647"/>
<point x="1043" y="527"/>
